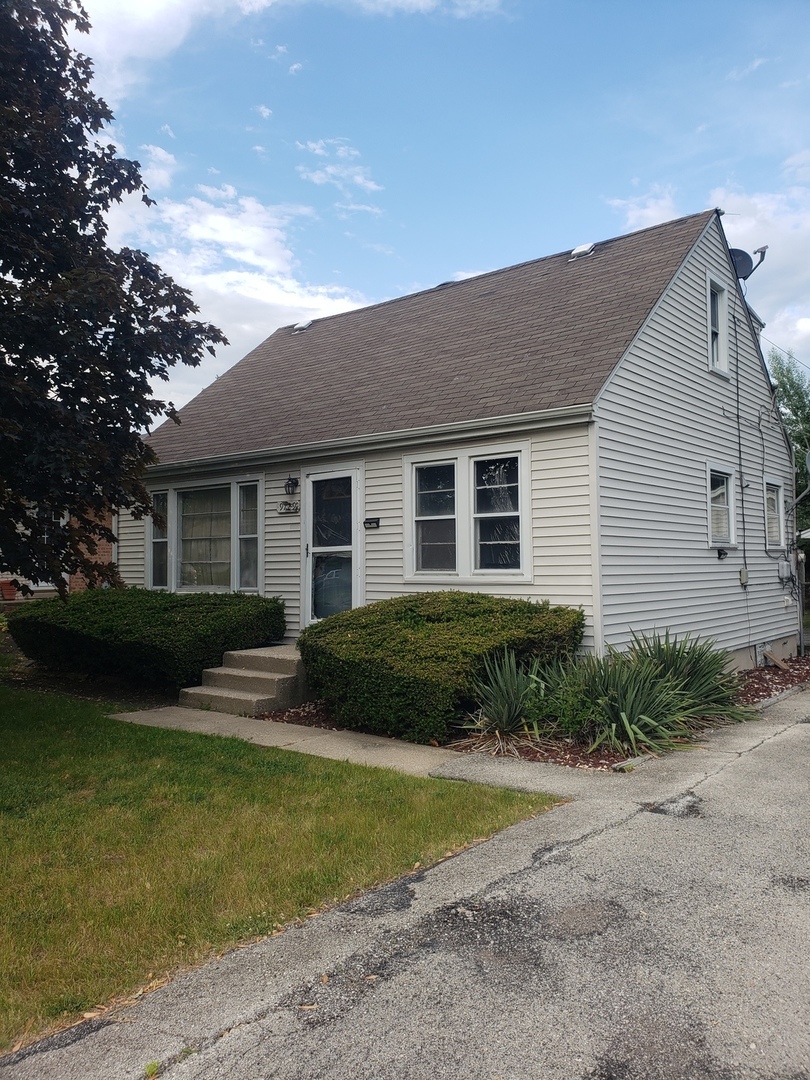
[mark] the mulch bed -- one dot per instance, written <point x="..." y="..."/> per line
<point x="758" y="684"/>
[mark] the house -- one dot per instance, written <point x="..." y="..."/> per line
<point x="596" y="427"/>
<point x="106" y="553"/>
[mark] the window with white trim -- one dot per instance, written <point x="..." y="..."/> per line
<point x="721" y="507"/>
<point x="435" y="517"/>
<point x="497" y="514"/>
<point x="718" y="350"/>
<point x="774" y="516"/>
<point x="210" y="541"/>
<point x="160" y="542"/>
<point x="468" y="514"/>
<point x="248" y="536"/>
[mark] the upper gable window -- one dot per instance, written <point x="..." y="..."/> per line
<point x="774" y="516"/>
<point x="718" y="347"/>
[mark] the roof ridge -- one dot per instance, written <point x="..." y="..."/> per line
<point x="496" y="272"/>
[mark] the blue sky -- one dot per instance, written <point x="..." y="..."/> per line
<point x="307" y="157"/>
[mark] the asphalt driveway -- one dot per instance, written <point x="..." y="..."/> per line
<point x="657" y="927"/>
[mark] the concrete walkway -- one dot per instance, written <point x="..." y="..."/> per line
<point x="341" y="745"/>
<point x="655" y="927"/>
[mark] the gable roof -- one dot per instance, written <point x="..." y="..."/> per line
<point x="539" y="336"/>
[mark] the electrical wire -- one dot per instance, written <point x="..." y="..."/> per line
<point x="739" y="438"/>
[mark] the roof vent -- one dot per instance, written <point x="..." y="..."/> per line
<point x="301" y="326"/>
<point x="581" y="251"/>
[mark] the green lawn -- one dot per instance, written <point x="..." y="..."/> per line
<point x="127" y="851"/>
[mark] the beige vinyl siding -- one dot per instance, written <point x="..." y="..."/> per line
<point x="282" y="545"/>
<point x="664" y="419"/>
<point x="562" y="542"/>
<point x="131" y="549"/>
<point x="385" y="547"/>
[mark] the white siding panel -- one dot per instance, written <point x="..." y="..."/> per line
<point x="131" y="549"/>
<point x="282" y="547"/>
<point x="662" y="418"/>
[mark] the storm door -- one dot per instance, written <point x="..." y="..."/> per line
<point x="331" y="549"/>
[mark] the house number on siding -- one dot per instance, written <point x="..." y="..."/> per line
<point x="289" y="507"/>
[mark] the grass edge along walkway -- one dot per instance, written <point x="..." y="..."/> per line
<point x="129" y="853"/>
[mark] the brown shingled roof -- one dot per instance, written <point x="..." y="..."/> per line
<point x="541" y="335"/>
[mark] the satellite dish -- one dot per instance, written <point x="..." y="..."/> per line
<point x="743" y="263"/>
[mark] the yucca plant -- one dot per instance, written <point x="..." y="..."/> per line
<point x="638" y="707"/>
<point x="501" y="720"/>
<point x="702" y="670"/>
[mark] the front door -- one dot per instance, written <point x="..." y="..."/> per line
<point x="331" y="555"/>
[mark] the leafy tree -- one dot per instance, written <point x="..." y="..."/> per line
<point x="83" y="328"/>
<point x="793" y="397"/>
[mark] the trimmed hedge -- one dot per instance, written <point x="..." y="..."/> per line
<point x="152" y="637"/>
<point x="406" y="666"/>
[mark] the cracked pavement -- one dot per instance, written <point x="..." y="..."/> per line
<point x="656" y="927"/>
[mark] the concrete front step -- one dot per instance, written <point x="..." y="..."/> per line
<point x="268" y="684"/>
<point x="284" y="659"/>
<point x="251" y="681"/>
<point x="224" y="700"/>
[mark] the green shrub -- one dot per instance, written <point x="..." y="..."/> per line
<point x="152" y="637"/>
<point x="407" y="666"/>
<point x="563" y="707"/>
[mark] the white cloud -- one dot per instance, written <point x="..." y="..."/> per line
<point x="233" y="253"/>
<point x="797" y="167"/>
<point x="651" y="208"/>
<point x="264" y="112"/>
<point x="295" y="68"/>
<point x="168" y="131"/>
<point x="314" y="146"/>
<point x="259" y="150"/>
<point x="344" y="209"/>
<point x="741" y="73"/>
<point x="342" y="176"/>
<point x="345" y="175"/>
<point x="159" y="168"/>
<point x="227" y="191"/>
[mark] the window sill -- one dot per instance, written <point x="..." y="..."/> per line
<point x="721" y="373"/>
<point x="489" y="577"/>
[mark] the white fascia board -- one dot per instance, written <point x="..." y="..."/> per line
<point x="435" y="435"/>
